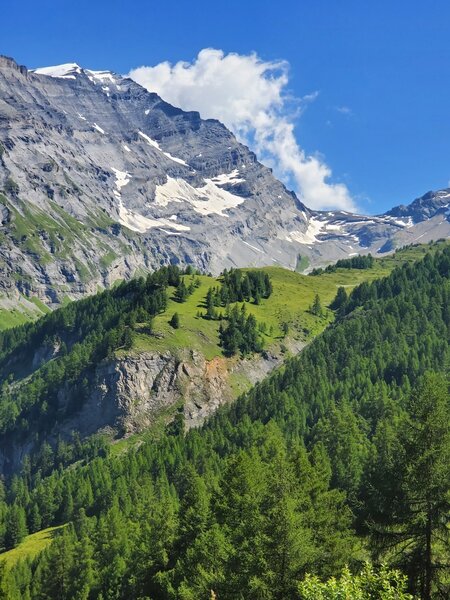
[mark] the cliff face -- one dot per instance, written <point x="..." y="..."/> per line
<point x="129" y="394"/>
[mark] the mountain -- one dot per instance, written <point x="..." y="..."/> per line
<point x="101" y="180"/>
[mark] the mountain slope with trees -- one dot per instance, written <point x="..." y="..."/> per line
<point x="319" y="466"/>
<point x="82" y="368"/>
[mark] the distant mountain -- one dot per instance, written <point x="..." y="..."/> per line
<point x="428" y="206"/>
<point x="101" y="180"/>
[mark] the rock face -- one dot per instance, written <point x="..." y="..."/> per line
<point x="127" y="395"/>
<point x="100" y="180"/>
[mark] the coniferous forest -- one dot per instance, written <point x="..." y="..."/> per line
<point x="329" y="479"/>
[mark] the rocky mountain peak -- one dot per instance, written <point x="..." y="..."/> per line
<point x="6" y="62"/>
<point x="426" y="207"/>
<point x="68" y="70"/>
<point x="101" y="179"/>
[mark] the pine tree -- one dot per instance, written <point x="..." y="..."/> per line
<point x="239" y="512"/>
<point x="16" y="528"/>
<point x="35" y="519"/>
<point x="83" y="570"/>
<point x="288" y="539"/>
<point x="340" y="299"/>
<point x="210" y="307"/>
<point x="316" y="308"/>
<point x="175" y="321"/>
<point x="181" y="292"/>
<point x="417" y="505"/>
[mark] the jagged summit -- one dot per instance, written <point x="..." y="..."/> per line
<point x="6" y="62"/>
<point x="73" y="70"/>
<point x="426" y="207"/>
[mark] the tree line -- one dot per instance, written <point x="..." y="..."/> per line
<point x="365" y="261"/>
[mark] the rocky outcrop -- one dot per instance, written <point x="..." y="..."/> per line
<point x="128" y="394"/>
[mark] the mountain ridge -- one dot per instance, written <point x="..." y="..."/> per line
<point x="101" y="180"/>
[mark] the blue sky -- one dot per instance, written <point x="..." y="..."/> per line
<point x="381" y="117"/>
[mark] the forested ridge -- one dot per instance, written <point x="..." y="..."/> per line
<point x="58" y="351"/>
<point x="71" y="339"/>
<point x="340" y="458"/>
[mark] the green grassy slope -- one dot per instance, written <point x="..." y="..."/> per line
<point x="27" y="309"/>
<point x="293" y="294"/>
<point x="31" y="546"/>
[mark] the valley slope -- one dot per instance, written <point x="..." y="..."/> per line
<point x="321" y="465"/>
<point x="112" y="364"/>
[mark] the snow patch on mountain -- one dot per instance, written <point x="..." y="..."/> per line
<point x="133" y="220"/>
<point x="315" y="226"/>
<point x="98" y="128"/>
<point x="228" y="178"/>
<point x="206" y="200"/>
<point x="155" y="144"/>
<point x="65" y="71"/>
<point x="122" y="178"/>
<point x="100" y="76"/>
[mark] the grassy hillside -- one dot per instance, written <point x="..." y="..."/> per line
<point x="14" y="313"/>
<point x="292" y="296"/>
<point x="31" y="546"/>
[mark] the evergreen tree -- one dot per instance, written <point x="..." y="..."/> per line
<point x="35" y="519"/>
<point x="181" y="292"/>
<point x="16" y="527"/>
<point x="316" y="308"/>
<point x="239" y="510"/>
<point x="210" y="305"/>
<point x="418" y="528"/>
<point x="340" y="299"/>
<point x="175" y="321"/>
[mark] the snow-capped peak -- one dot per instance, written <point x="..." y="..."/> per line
<point x="104" y="79"/>
<point x="65" y="71"/>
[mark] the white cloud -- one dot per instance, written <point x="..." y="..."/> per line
<point x="344" y="110"/>
<point x="249" y="96"/>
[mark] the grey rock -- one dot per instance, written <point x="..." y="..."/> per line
<point x="128" y="395"/>
<point x="101" y="180"/>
